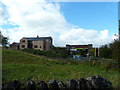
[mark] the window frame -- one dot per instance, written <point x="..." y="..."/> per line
<point x="23" y="46"/>
<point x="35" y="46"/>
<point x="23" y="41"/>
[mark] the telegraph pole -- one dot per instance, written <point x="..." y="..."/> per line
<point x="119" y="20"/>
<point x="119" y="30"/>
<point x="97" y="52"/>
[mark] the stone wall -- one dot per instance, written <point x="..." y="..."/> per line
<point x="25" y="43"/>
<point x="90" y="83"/>
<point x="48" y="44"/>
<point x="40" y="44"/>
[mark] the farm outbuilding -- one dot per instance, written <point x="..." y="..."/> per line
<point x="14" y="45"/>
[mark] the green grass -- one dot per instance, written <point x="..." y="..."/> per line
<point x="23" y="66"/>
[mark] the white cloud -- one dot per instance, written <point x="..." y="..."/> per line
<point x="2" y="13"/>
<point x="41" y="18"/>
<point x="115" y="36"/>
<point x="85" y="0"/>
<point x="82" y="36"/>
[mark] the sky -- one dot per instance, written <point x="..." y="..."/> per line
<point x="119" y="10"/>
<point x="66" y="22"/>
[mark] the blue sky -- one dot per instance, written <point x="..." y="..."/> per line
<point x="65" y="22"/>
<point x="92" y="15"/>
<point x="119" y="10"/>
<point x="88" y="15"/>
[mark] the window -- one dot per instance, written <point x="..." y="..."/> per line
<point x="23" y="46"/>
<point x="35" y="46"/>
<point x="44" y="46"/>
<point x="50" y="41"/>
<point x="23" y="41"/>
<point x="40" y="47"/>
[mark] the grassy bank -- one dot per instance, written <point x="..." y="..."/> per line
<point x="23" y="66"/>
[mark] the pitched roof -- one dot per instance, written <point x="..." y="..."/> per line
<point x="14" y="43"/>
<point x="37" y="38"/>
<point x="80" y="46"/>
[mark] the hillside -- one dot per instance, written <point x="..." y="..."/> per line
<point x="23" y="66"/>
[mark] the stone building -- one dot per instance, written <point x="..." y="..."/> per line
<point x="82" y="50"/>
<point x="75" y="47"/>
<point x="14" y="45"/>
<point x="39" y="43"/>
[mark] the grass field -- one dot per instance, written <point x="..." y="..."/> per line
<point x="23" y="66"/>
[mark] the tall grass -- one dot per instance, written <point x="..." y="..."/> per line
<point x="23" y="66"/>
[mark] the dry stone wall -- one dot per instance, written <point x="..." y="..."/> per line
<point x="90" y="83"/>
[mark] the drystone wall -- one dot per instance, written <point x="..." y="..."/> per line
<point x="90" y="83"/>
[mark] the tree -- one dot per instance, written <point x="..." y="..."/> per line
<point x="111" y="50"/>
<point x="105" y="51"/>
<point x="3" y="40"/>
<point x="116" y="50"/>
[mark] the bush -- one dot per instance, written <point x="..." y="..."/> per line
<point x="116" y="50"/>
<point x="111" y="51"/>
<point x="106" y="51"/>
<point x="46" y="53"/>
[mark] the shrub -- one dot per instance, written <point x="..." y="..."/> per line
<point x="46" y="53"/>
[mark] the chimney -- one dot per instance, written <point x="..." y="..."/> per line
<point x="37" y="36"/>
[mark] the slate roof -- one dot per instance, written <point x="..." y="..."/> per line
<point x="37" y="38"/>
<point x="14" y="43"/>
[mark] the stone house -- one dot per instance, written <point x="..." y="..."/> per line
<point x="14" y="45"/>
<point x="39" y="43"/>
